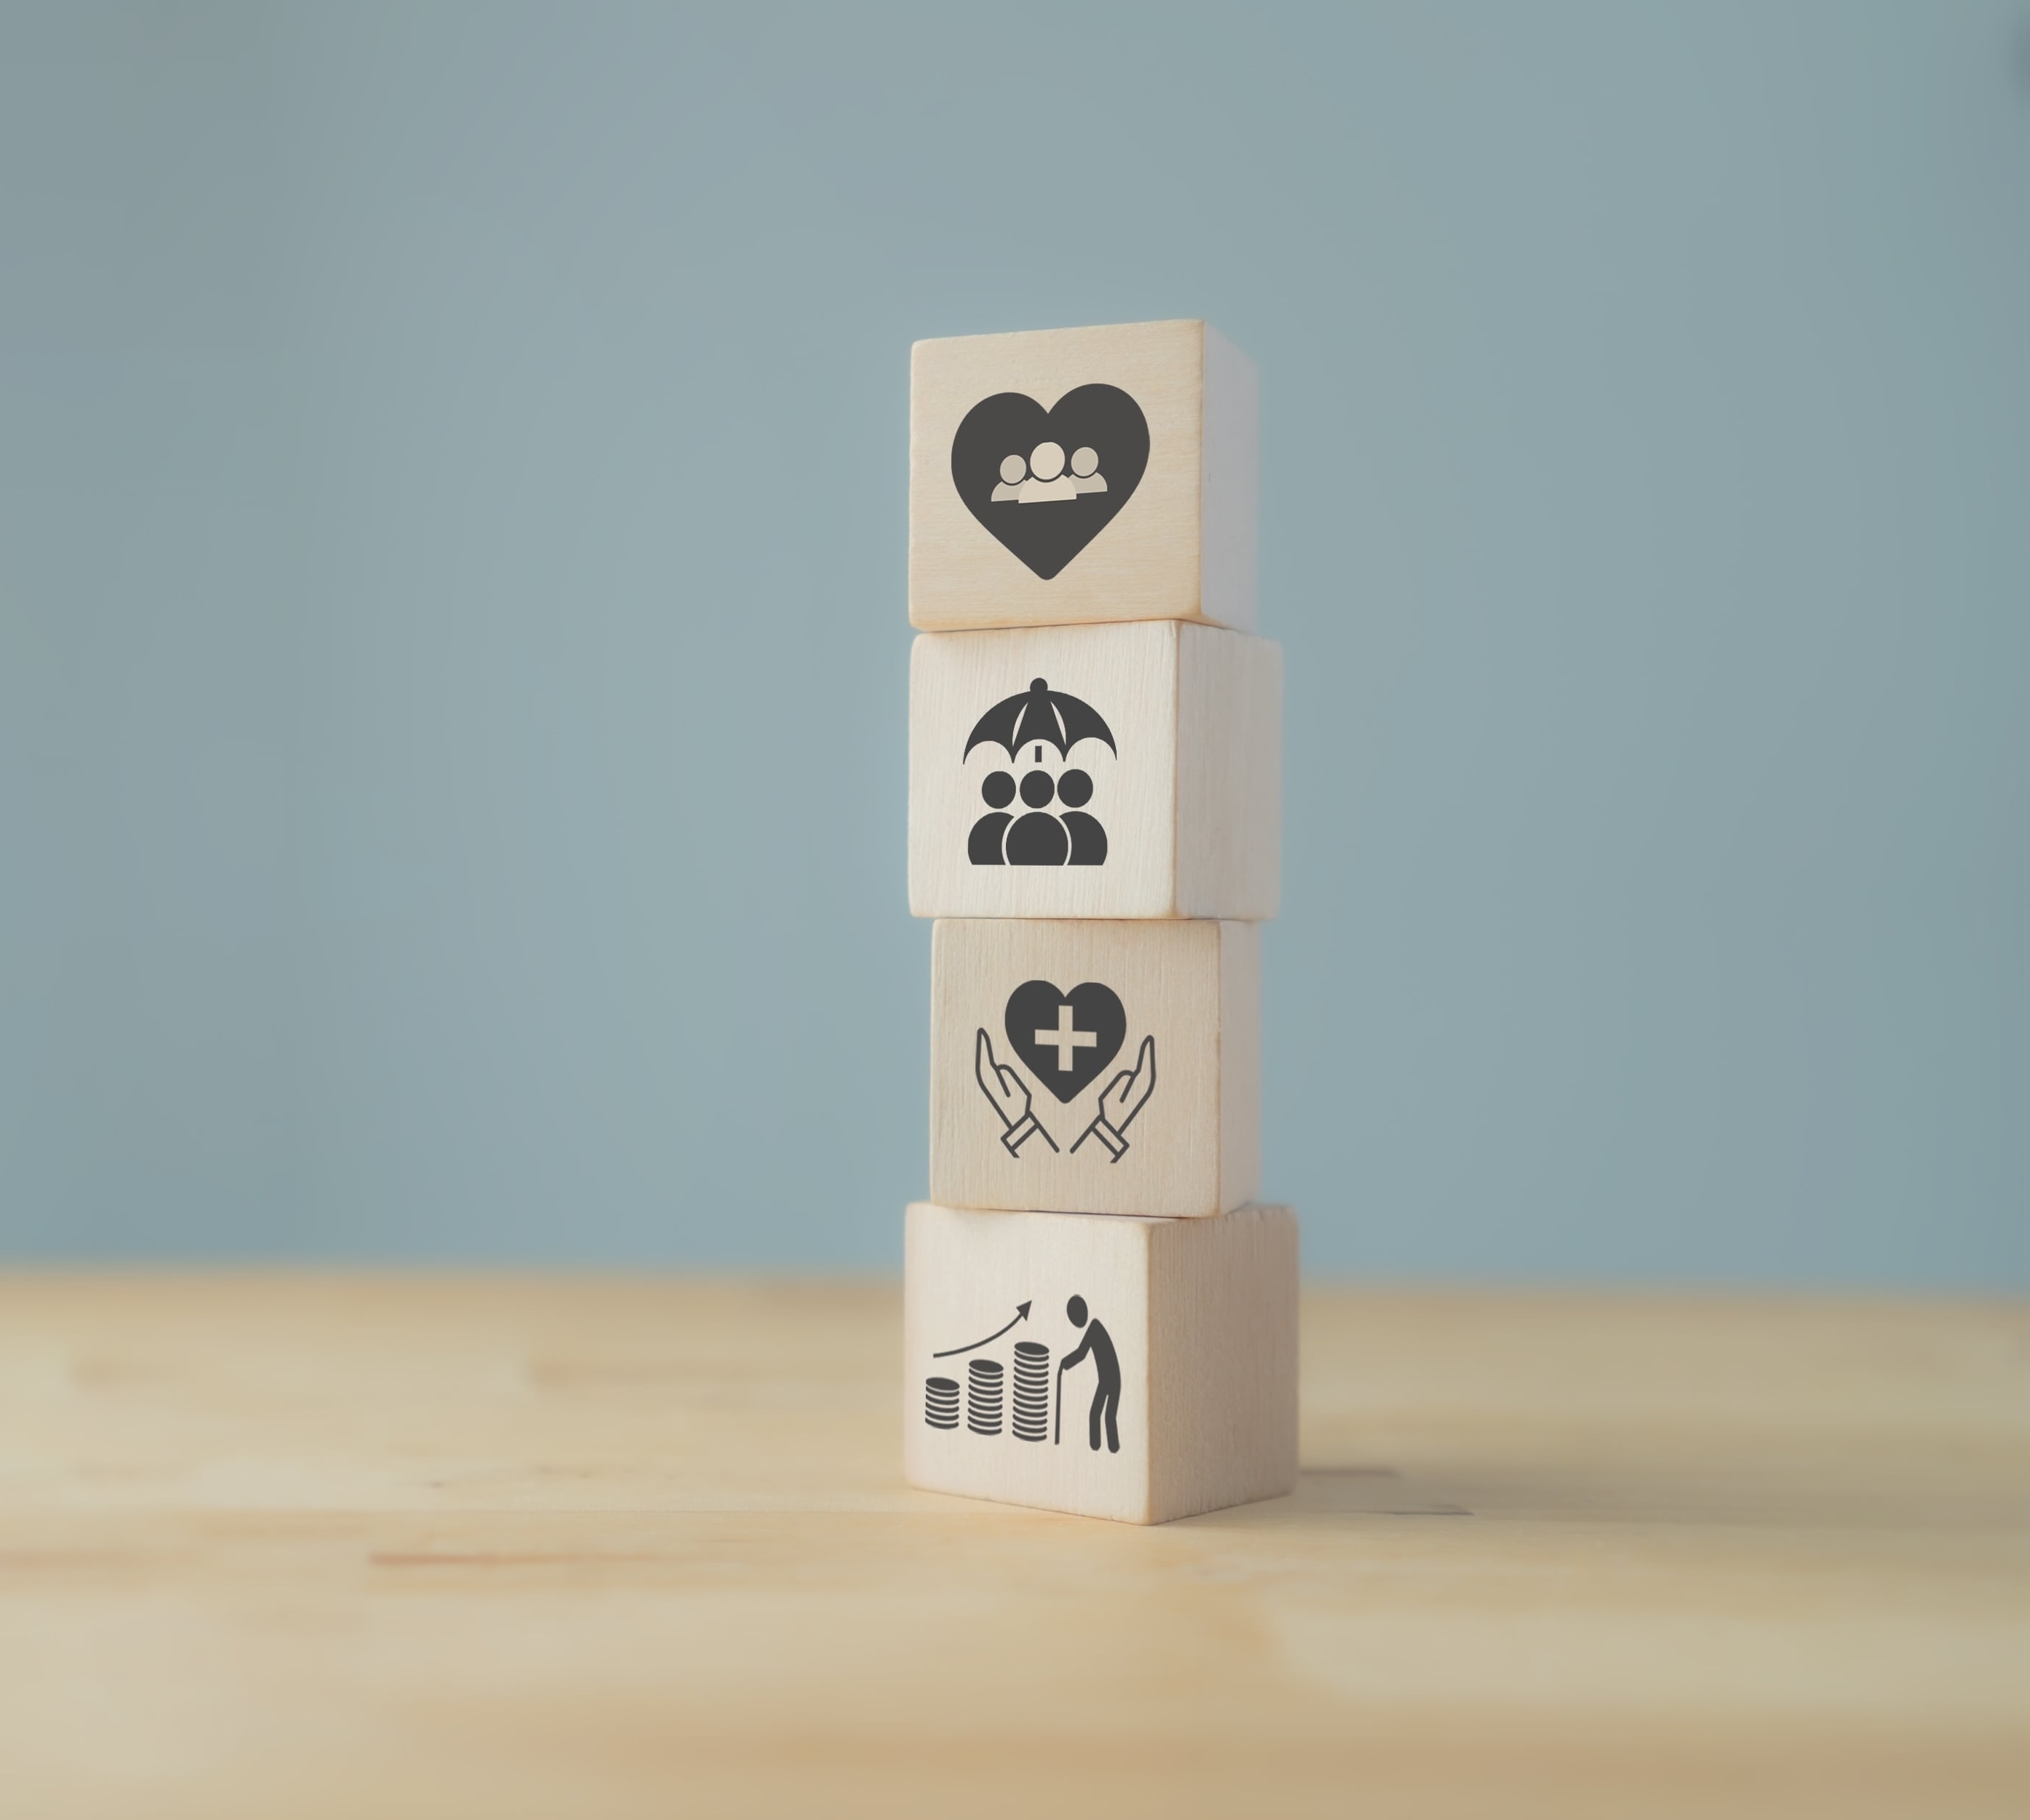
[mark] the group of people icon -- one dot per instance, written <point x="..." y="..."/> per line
<point x="1071" y="837"/>
<point x="1046" y="476"/>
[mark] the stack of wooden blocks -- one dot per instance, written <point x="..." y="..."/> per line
<point x="1098" y="1317"/>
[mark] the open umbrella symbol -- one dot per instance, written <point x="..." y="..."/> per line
<point x="1042" y="715"/>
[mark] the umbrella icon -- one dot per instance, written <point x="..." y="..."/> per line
<point x="1041" y="715"/>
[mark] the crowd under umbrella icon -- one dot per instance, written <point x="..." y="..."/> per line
<point x="1040" y="716"/>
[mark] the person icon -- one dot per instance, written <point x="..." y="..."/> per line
<point x="1106" y="1394"/>
<point x="1047" y="478"/>
<point x="1086" y="477"/>
<point x="1088" y="838"/>
<point x="1037" y="837"/>
<point x="1014" y="470"/>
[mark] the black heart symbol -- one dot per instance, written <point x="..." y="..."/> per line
<point x="1065" y="1052"/>
<point x="1048" y="512"/>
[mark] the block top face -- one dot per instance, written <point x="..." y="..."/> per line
<point x="1071" y="475"/>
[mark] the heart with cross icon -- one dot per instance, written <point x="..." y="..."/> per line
<point x="1066" y="1038"/>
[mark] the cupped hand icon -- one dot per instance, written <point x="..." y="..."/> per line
<point x="1126" y="1094"/>
<point x="1008" y="1093"/>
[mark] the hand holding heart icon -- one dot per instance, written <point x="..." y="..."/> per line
<point x="1067" y="1038"/>
<point x="1126" y="1094"/>
<point x="1008" y="1094"/>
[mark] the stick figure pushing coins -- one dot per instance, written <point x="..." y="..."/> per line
<point x="1106" y="1394"/>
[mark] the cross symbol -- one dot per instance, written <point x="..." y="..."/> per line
<point x="1064" y="1039"/>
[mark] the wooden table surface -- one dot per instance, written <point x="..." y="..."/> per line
<point x="301" y="1546"/>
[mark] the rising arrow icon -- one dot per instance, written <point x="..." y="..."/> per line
<point x="1021" y="1314"/>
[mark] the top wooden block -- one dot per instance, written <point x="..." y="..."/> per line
<point x="1069" y="475"/>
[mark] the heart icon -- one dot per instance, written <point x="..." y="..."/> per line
<point x="1046" y="483"/>
<point x="1066" y="1037"/>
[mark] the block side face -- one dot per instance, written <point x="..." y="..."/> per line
<point x="1231" y="483"/>
<point x="1141" y="563"/>
<point x="973" y="1424"/>
<point x="1239" y="1063"/>
<point x="1075" y="1066"/>
<point x="922" y="893"/>
<point x="1229" y="775"/>
<point x="1223" y="1363"/>
<point x="1087" y="830"/>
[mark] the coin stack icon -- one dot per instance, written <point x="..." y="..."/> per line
<point x="1032" y="1391"/>
<point x="982" y="1396"/>
<point x="941" y="1402"/>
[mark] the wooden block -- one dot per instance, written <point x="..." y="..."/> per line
<point x="1139" y="1369"/>
<point x="1096" y="1067"/>
<point x="1077" y="474"/>
<point x="1095" y="771"/>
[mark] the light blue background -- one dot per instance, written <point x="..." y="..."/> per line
<point x="451" y="612"/>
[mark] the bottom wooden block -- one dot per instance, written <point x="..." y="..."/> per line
<point x="1112" y="1366"/>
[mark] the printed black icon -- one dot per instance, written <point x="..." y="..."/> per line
<point x="1066" y="1038"/>
<point x="1009" y="463"/>
<point x="1032" y="1391"/>
<point x="1107" y="1392"/>
<point x="1032" y="1415"/>
<point x="1021" y="1314"/>
<point x="982" y="1396"/>
<point x="1126" y="1094"/>
<point x="941" y="1402"/>
<point x="1040" y="716"/>
<point x="1008" y="1093"/>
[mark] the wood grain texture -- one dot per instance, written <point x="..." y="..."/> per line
<point x="338" y="1546"/>
<point x="334" y="1546"/>
<point x="1191" y="991"/>
<point x="1188" y="793"/>
<point x="1229" y="483"/>
<point x="1199" y="1316"/>
<point x="1229" y="775"/>
<point x="1184" y="544"/>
